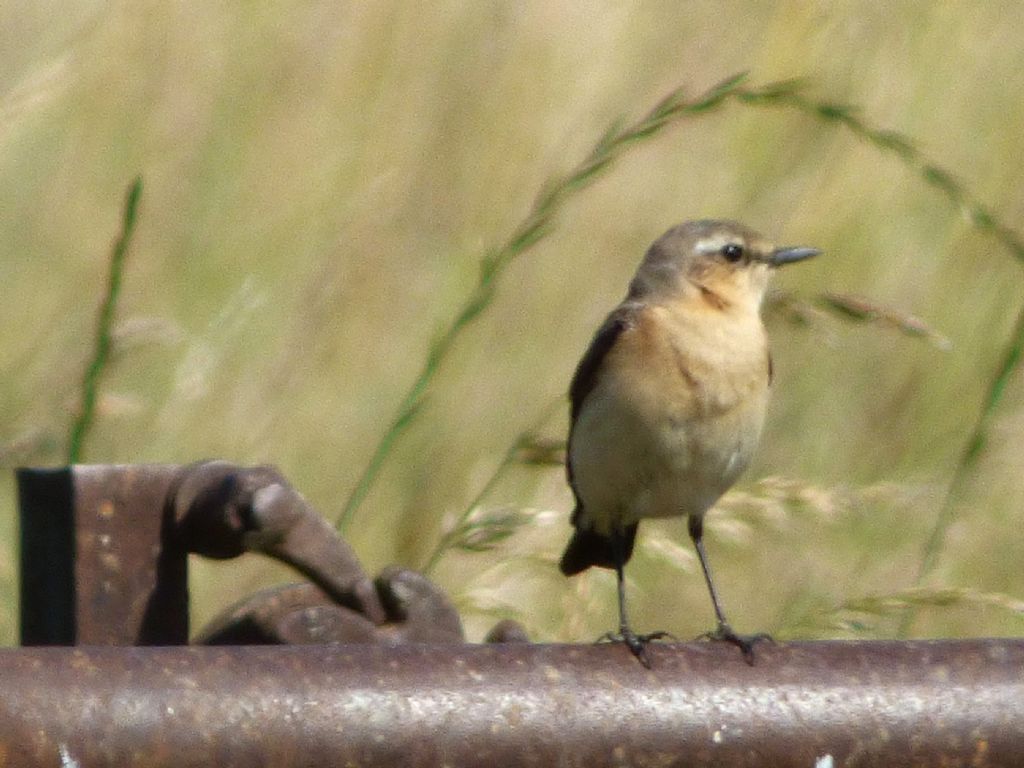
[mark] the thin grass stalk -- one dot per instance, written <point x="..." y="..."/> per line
<point x="445" y="542"/>
<point x="790" y="94"/>
<point x="537" y="224"/>
<point x="935" y="543"/>
<point x="104" y="325"/>
<point x="982" y="219"/>
<point x="508" y="460"/>
<point x="616" y="140"/>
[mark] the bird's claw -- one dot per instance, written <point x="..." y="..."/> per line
<point x="637" y="644"/>
<point x="745" y="643"/>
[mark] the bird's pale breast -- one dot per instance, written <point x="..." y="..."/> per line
<point x="674" y="417"/>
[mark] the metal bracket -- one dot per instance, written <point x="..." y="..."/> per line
<point x="105" y="561"/>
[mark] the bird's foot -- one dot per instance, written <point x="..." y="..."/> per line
<point x="637" y="644"/>
<point x="745" y="643"/>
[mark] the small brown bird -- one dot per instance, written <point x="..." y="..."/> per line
<point x="668" y="402"/>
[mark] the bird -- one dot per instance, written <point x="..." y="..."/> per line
<point x="668" y="402"/>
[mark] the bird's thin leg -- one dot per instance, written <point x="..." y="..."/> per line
<point x="637" y="644"/>
<point x="634" y="642"/>
<point x="695" y="525"/>
<point x="745" y="643"/>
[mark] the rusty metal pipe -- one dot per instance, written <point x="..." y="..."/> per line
<point x="949" y="703"/>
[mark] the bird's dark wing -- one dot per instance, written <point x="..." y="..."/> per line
<point x="588" y="370"/>
<point x="587" y="548"/>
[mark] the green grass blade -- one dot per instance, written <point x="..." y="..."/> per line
<point x="513" y="455"/>
<point x="104" y="326"/>
<point x="537" y="224"/>
<point x="936" y="540"/>
<point x="983" y="220"/>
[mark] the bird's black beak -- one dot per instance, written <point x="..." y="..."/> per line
<point x="790" y="254"/>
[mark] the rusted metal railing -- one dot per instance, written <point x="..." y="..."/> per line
<point x="104" y="568"/>
<point x="801" y="704"/>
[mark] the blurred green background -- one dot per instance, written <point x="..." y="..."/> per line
<point x="321" y="181"/>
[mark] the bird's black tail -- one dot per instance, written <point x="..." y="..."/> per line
<point x="587" y="548"/>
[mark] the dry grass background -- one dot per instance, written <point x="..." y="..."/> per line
<point x="321" y="181"/>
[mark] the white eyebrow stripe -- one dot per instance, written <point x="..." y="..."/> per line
<point x="713" y="244"/>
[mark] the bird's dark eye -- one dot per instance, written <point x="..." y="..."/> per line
<point x="732" y="252"/>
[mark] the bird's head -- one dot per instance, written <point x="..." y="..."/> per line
<point x="728" y="262"/>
